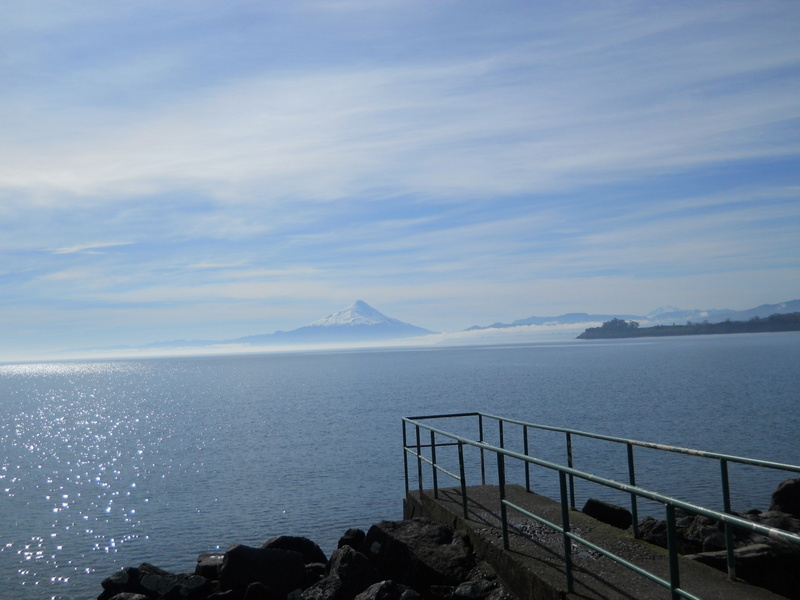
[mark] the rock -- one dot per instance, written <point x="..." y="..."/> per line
<point x="775" y="568"/>
<point x="349" y="573"/>
<point x="778" y="520"/>
<point x="208" y="565"/>
<point x="352" y="537"/>
<point x="129" y="596"/>
<point x="311" y="552"/>
<point x="608" y="513"/>
<point x="348" y="564"/>
<point x="123" y="581"/>
<point x="653" y="531"/>
<point x="388" y="590"/>
<point x="280" y="570"/>
<point x="786" y="497"/>
<point x="314" y="572"/>
<point x="419" y="553"/>
<point x="473" y="590"/>
<point x="227" y="595"/>
<point x="695" y="533"/>
<point x="441" y="592"/>
<point x="153" y="582"/>
<point x="328" y="588"/>
<point x="259" y="591"/>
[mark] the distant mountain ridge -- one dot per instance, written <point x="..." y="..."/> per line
<point x="359" y="322"/>
<point x="661" y="316"/>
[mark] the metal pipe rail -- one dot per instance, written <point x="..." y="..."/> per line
<point x="567" y="499"/>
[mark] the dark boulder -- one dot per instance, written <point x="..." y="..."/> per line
<point x="695" y="533"/>
<point x="282" y="571"/>
<point x="226" y="595"/>
<point x="352" y="537"/>
<point x="347" y="564"/>
<point x="349" y="573"/>
<point x="259" y="591"/>
<point x="314" y="572"/>
<point x="208" y="565"/>
<point x="770" y="566"/>
<point x="153" y="582"/>
<point x="474" y="590"/>
<point x="311" y="552"/>
<point x="786" y="497"/>
<point x="123" y="581"/>
<point x="419" y="553"/>
<point x="775" y="519"/>
<point x="388" y="590"/>
<point x="608" y="513"/>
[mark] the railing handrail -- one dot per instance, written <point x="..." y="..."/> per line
<point x="727" y="517"/>
<point x="610" y="438"/>
<point x="623" y="487"/>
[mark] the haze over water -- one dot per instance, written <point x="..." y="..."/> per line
<point x="114" y="463"/>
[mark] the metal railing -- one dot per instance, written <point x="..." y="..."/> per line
<point x="567" y="474"/>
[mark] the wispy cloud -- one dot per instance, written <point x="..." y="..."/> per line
<point x="89" y="248"/>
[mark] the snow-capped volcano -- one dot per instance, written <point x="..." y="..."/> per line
<point x="359" y="321"/>
<point x="358" y="313"/>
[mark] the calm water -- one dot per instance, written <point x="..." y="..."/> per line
<point x="107" y="464"/>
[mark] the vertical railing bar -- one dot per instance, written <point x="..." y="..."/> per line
<point x="419" y="460"/>
<point x="562" y="483"/>
<point x="571" y="478"/>
<point x="502" y="438"/>
<point x="526" y="452"/>
<point x="501" y="480"/>
<point x="632" y="481"/>
<point x="405" y="456"/>
<point x="672" y="549"/>
<point x="483" y="456"/>
<point x="462" y="473"/>
<point x="434" y="471"/>
<point x="726" y="506"/>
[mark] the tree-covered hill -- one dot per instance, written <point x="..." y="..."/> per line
<point x="618" y="328"/>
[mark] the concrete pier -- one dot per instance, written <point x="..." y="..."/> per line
<point x="533" y="567"/>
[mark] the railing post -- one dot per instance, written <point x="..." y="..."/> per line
<point x="632" y="481"/>
<point x="562" y="482"/>
<point x="672" y="548"/>
<point x="462" y="473"/>
<point x="726" y="506"/>
<point x="405" y="455"/>
<point x="526" y="452"/>
<point x="501" y="480"/>
<point x="483" y="456"/>
<point x="419" y="462"/>
<point x="571" y="478"/>
<point x="500" y="423"/>
<point x="434" y="473"/>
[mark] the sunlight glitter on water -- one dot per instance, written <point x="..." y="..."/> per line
<point x="72" y="453"/>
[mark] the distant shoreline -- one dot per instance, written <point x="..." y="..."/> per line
<point x="618" y="328"/>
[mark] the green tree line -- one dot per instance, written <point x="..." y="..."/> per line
<point x="619" y="328"/>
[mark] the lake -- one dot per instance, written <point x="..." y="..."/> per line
<point x="113" y="463"/>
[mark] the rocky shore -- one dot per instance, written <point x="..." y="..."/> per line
<point x="394" y="560"/>
<point x="421" y="559"/>
<point x="760" y="560"/>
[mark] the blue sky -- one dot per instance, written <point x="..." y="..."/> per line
<point x="208" y="170"/>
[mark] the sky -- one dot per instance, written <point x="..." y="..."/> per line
<point x="216" y="169"/>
